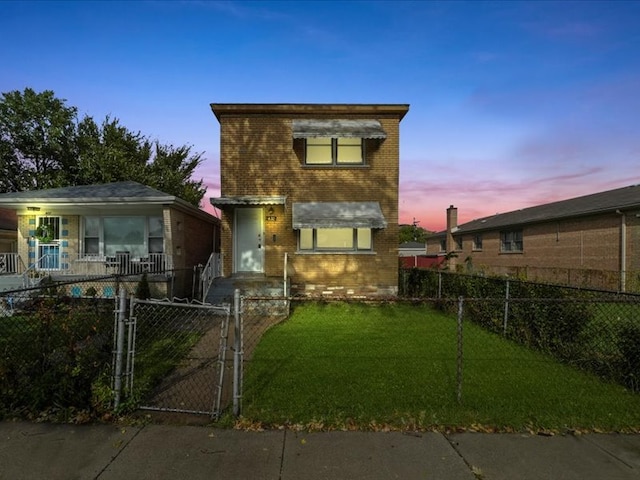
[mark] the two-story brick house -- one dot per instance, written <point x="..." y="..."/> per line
<point x="310" y="192"/>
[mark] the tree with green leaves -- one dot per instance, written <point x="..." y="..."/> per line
<point x="37" y="140"/>
<point x="169" y="168"/>
<point x="109" y="152"/>
<point x="413" y="233"/>
<point x="43" y="145"/>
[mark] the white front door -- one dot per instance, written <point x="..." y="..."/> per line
<point x="249" y="245"/>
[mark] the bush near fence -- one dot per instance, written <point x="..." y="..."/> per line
<point x="55" y="353"/>
<point x="598" y="331"/>
<point x="56" y="346"/>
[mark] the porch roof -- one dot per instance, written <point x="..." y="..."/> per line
<point x="126" y="197"/>
<point x="338" y="215"/>
<point x="248" y="200"/>
<point x="338" y="128"/>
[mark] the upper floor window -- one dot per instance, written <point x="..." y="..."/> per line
<point x="477" y="242"/>
<point x="334" y="151"/>
<point x="443" y="245"/>
<point x="458" y="241"/>
<point x="511" y="241"/>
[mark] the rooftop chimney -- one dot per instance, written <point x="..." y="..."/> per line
<point x="452" y="219"/>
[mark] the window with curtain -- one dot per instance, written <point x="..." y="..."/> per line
<point x="511" y="241"/>
<point x="139" y="236"/>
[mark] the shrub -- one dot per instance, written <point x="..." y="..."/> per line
<point x="53" y="354"/>
<point x="629" y="346"/>
<point x="143" y="291"/>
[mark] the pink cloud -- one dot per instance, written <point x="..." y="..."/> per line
<point x="427" y="201"/>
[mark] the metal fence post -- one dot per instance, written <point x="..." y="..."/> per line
<point x="237" y="354"/>
<point x="131" y="345"/>
<point x="439" y="285"/>
<point x="506" y="310"/>
<point x="460" y="331"/>
<point x="122" y="313"/>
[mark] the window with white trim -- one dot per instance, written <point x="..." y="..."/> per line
<point x="477" y="242"/>
<point x="335" y="239"/>
<point x="334" y="151"/>
<point x="106" y="236"/>
<point x="48" y="229"/>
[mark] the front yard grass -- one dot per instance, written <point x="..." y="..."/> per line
<point x="394" y="366"/>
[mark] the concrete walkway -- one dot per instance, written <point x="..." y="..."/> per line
<point x="45" y="451"/>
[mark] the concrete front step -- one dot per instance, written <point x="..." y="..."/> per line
<point x="222" y="291"/>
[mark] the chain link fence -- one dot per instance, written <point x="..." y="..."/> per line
<point x="564" y="340"/>
<point x="58" y="349"/>
<point x="177" y="357"/>
<point x="55" y="348"/>
<point x="474" y="341"/>
<point x="557" y="355"/>
<point x="595" y="331"/>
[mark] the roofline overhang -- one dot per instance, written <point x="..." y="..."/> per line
<point x="77" y="204"/>
<point x="308" y="109"/>
<point x="609" y="210"/>
<point x="247" y="200"/>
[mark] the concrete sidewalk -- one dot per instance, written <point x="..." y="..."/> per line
<point x="45" y="451"/>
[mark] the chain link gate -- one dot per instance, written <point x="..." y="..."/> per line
<point x="176" y="360"/>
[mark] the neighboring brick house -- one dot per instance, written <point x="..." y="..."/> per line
<point x="317" y="183"/>
<point x="117" y="228"/>
<point x="593" y="241"/>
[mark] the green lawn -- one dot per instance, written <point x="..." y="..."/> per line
<point x="343" y="365"/>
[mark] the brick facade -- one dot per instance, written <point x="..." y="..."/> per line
<point x="564" y="251"/>
<point x="259" y="156"/>
<point x="189" y="240"/>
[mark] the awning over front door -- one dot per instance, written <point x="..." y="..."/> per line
<point x="338" y="215"/>
<point x="247" y="200"/>
<point x="338" y="128"/>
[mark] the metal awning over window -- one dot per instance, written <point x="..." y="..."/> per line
<point x="248" y="200"/>
<point x="338" y="215"/>
<point x="338" y="128"/>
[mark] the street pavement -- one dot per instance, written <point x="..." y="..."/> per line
<point x="106" y="452"/>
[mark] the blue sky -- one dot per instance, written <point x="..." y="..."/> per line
<point x="512" y="104"/>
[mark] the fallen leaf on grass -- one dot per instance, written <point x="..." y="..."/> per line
<point x="477" y="472"/>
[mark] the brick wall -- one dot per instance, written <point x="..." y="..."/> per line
<point x="586" y="243"/>
<point x="260" y="157"/>
<point x="189" y="239"/>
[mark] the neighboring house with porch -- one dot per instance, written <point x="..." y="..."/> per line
<point x="591" y="241"/>
<point x="309" y="193"/>
<point x="122" y="228"/>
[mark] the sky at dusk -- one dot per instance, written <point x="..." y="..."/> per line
<point x="512" y="104"/>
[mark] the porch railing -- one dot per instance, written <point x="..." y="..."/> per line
<point x="212" y="270"/>
<point x="118" y="264"/>
<point x="10" y="263"/>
